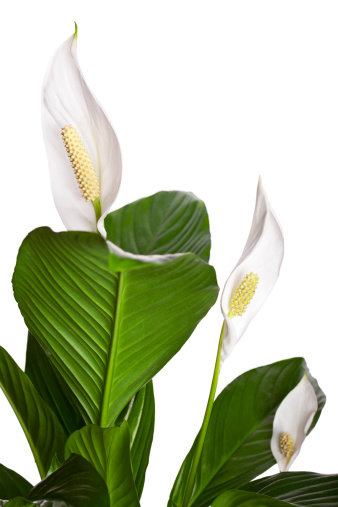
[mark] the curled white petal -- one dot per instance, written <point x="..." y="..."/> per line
<point x="262" y="255"/>
<point x="123" y="258"/>
<point x="294" y="416"/>
<point x="67" y="100"/>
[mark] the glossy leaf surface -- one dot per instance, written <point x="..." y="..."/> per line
<point x="12" y="484"/>
<point x="107" y="334"/>
<point x="141" y="420"/>
<point x="166" y="222"/>
<point x="107" y="449"/>
<point x="21" y="502"/>
<point x="42" y="428"/>
<point x="54" y="465"/>
<point x="234" y="498"/>
<point x="76" y="483"/>
<point x="51" y="387"/>
<point x="299" y="488"/>
<point x="237" y="445"/>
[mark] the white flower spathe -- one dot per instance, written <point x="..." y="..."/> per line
<point x="293" y="418"/>
<point x="262" y="255"/>
<point x="67" y="100"/>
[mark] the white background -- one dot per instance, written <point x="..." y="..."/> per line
<point x="204" y="96"/>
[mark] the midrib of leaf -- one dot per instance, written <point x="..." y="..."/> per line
<point x="108" y="380"/>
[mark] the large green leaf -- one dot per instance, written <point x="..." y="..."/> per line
<point x="140" y="414"/>
<point x="51" y="387"/>
<point x="299" y="488"/>
<point x="166" y="222"/>
<point x="42" y="428"/>
<point x="12" y="484"/>
<point x="237" y="444"/>
<point x="107" y="449"/>
<point x="234" y="498"/>
<point x="75" y="483"/>
<point x="107" y="334"/>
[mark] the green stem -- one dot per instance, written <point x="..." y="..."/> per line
<point x="203" y="431"/>
<point x="97" y="207"/>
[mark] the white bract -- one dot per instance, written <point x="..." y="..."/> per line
<point x="67" y="101"/>
<point x="292" y="421"/>
<point x="258" y="269"/>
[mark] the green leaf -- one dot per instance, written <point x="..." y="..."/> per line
<point x="42" y="428"/>
<point x="55" y="464"/>
<point x="19" y="502"/>
<point x="140" y="415"/>
<point x="74" y="484"/>
<point x="107" y="449"/>
<point x="237" y="444"/>
<point x="299" y="488"/>
<point x="12" y="484"/>
<point x="166" y="222"/>
<point x="107" y="334"/>
<point x="235" y="498"/>
<point x="51" y="387"/>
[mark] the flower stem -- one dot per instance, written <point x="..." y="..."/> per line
<point x="204" y="427"/>
<point x="97" y="207"/>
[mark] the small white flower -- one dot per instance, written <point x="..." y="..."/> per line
<point x="292" y="421"/>
<point x="77" y="133"/>
<point x="254" y="275"/>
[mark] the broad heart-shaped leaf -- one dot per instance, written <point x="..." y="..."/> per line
<point x="12" y="484"/>
<point x="107" y="334"/>
<point x="140" y="414"/>
<point x="42" y="428"/>
<point x="234" y="498"/>
<point x="51" y="387"/>
<point x="107" y="449"/>
<point x="166" y="222"/>
<point x="299" y="488"/>
<point x="237" y="444"/>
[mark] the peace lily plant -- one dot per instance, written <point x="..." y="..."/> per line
<point x="109" y="302"/>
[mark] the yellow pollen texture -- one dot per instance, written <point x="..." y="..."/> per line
<point x="286" y="445"/>
<point x="82" y="165"/>
<point x="243" y="295"/>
